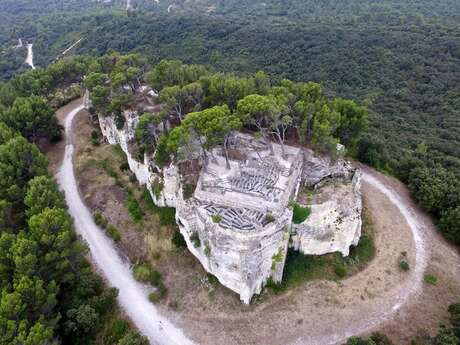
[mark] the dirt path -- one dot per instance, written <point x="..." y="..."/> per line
<point x="132" y="295"/>
<point x="380" y="297"/>
<point x="30" y="56"/>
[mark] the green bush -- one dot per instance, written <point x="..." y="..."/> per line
<point x="340" y="270"/>
<point x="145" y="274"/>
<point x="124" y="166"/>
<point x="364" y="251"/>
<point x="195" y="240"/>
<point x="113" y="232"/>
<point x="269" y="218"/>
<point x="167" y="215"/>
<point x="188" y="190"/>
<point x="142" y="273"/>
<point x="157" y="295"/>
<point x="178" y="240"/>
<point x="212" y="279"/>
<point x="404" y="265"/>
<point x="430" y="279"/>
<point x="132" y="178"/>
<point x="300" y="214"/>
<point x="216" y="218"/>
<point x="100" y="220"/>
<point x="157" y="187"/>
<point x="134" y="210"/>
<point x="95" y="138"/>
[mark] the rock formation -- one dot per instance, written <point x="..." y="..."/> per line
<point x="238" y="222"/>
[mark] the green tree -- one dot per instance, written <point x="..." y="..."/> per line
<point x="6" y="133"/>
<point x="258" y="111"/>
<point x="449" y="224"/>
<point x="43" y="192"/>
<point x="212" y="127"/>
<point x="57" y="247"/>
<point x="33" y="118"/>
<point x="324" y="126"/>
<point x="353" y="122"/>
<point x="20" y="161"/>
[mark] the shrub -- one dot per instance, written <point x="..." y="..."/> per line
<point x="167" y="215"/>
<point x="178" y="240"/>
<point x="300" y="214"/>
<point x="134" y="210"/>
<point x="161" y="154"/>
<point x="124" y="166"/>
<point x="276" y="258"/>
<point x="100" y="220"/>
<point x="216" y="218"/>
<point x="195" y="238"/>
<point x="145" y="274"/>
<point x="142" y="273"/>
<point x="340" y="270"/>
<point x="157" y="295"/>
<point x="212" y="279"/>
<point x="269" y="218"/>
<point x="95" y="138"/>
<point x="157" y="187"/>
<point x="188" y="190"/>
<point x="132" y="178"/>
<point x="113" y="232"/>
<point x="430" y="279"/>
<point x="404" y="265"/>
<point x="364" y="251"/>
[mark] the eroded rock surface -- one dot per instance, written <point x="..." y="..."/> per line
<point x="238" y="221"/>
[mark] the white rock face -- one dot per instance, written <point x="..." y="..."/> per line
<point x="335" y="220"/>
<point x="238" y="222"/>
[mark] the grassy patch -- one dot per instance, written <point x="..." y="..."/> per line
<point x="300" y="213"/>
<point x="166" y="215"/>
<point x="145" y="274"/>
<point x="188" y="190"/>
<point x="113" y="233"/>
<point x="110" y="229"/>
<point x="134" y="210"/>
<point x="300" y="268"/>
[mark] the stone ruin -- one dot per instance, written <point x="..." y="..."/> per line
<point x="238" y="221"/>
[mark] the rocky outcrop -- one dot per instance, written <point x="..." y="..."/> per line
<point x="238" y="220"/>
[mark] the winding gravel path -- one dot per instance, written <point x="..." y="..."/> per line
<point x="132" y="295"/>
<point x="410" y="289"/>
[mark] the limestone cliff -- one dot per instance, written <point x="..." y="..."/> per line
<point x="238" y="221"/>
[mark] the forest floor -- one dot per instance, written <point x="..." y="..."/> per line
<point x="317" y="312"/>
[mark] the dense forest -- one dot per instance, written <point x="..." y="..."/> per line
<point x="48" y="291"/>
<point x="399" y="59"/>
